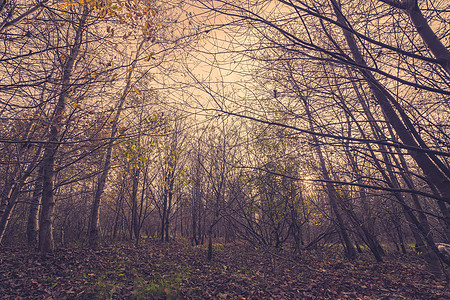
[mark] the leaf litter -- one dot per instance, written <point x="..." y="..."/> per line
<point x="177" y="270"/>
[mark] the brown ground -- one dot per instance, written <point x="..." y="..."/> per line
<point x="179" y="271"/>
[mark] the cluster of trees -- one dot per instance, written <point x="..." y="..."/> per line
<point x="320" y="122"/>
<point x="350" y="97"/>
<point x="67" y="68"/>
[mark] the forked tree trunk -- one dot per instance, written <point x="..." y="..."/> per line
<point x="46" y="243"/>
<point x="48" y="203"/>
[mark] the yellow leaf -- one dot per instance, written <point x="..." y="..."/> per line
<point x="137" y="91"/>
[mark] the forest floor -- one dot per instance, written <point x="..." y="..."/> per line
<point x="178" y="270"/>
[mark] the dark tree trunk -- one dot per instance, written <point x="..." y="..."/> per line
<point x="46" y="243"/>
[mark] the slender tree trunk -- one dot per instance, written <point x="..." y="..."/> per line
<point x="134" y="205"/>
<point x="210" y="246"/>
<point x="118" y="212"/>
<point x="46" y="243"/>
<point x="195" y="212"/>
<point x="443" y="207"/>
<point x="164" y="216"/>
<point x="168" y="195"/>
<point x="32" y="225"/>
<point x="169" y="209"/>
<point x="181" y="221"/>
<point x="194" y="222"/>
<point x="400" y="238"/>
<point x="13" y="186"/>
<point x="9" y="208"/>
<point x="106" y="163"/>
<point x="365" y="234"/>
<point x="333" y="197"/>
<point x="142" y="213"/>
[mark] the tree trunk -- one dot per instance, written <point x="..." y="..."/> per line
<point x="118" y="212"/>
<point x="194" y="223"/>
<point x="46" y="243"/>
<point x="210" y="246"/>
<point x="33" y="215"/>
<point x="134" y="205"/>
<point x="169" y="208"/>
<point x="333" y="197"/>
<point x="163" y="216"/>
<point x="106" y="163"/>
<point x="400" y="238"/>
<point x="48" y="203"/>
<point x="428" y="36"/>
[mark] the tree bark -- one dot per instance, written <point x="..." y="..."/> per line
<point x="134" y="205"/>
<point x="33" y="214"/>
<point x="48" y="203"/>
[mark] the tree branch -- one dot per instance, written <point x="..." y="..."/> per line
<point x="17" y="20"/>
